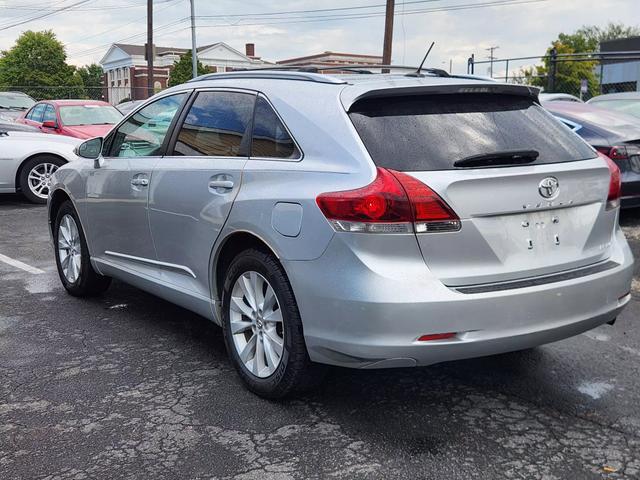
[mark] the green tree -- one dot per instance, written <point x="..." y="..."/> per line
<point x="92" y="76"/>
<point x="588" y="37"/>
<point x="569" y="74"/>
<point x="183" y="71"/>
<point x="38" y="59"/>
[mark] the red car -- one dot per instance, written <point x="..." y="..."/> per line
<point x="73" y="118"/>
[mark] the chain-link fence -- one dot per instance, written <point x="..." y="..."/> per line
<point x="583" y="75"/>
<point x="113" y="95"/>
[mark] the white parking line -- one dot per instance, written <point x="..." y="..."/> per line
<point x="20" y="265"/>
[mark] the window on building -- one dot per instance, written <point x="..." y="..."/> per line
<point x="216" y="125"/>
<point x="270" y="137"/>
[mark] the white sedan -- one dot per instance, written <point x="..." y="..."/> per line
<point x="28" y="160"/>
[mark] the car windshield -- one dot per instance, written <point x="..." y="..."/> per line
<point x="76" y="115"/>
<point x="630" y="107"/>
<point x="18" y="102"/>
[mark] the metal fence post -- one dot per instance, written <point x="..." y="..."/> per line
<point x="552" y="70"/>
<point x="470" y="63"/>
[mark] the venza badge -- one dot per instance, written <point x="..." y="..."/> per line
<point x="549" y="187"/>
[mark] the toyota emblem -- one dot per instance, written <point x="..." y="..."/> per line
<point x="549" y="187"/>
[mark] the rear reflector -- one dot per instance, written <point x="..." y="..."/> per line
<point x="393" y="203"/>
<point x="436" y="336"/>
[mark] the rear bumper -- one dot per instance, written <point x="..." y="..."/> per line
<point x="367" y="311"/>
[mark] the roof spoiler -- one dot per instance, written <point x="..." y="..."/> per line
<point x="352" y="95"/>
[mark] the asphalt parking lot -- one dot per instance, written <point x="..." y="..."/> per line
<point x="129" y="386"/>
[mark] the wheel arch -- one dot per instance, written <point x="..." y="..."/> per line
<point x="230" y="246"/>
<point x="31" y="157"/>
<point x="58" y="197"/>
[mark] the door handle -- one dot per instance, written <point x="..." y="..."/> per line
<point x="140" y="182"/>
<point x="221" y="184"/>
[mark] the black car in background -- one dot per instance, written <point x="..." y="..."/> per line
<point x="612" y="133"/>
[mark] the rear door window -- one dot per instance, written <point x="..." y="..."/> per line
<point x="270" y="137"/>
<point x="49" y="114"/>
<point x="37" y="112"/>
<point x="216" y="125"/>
<point x="431" y="132"/>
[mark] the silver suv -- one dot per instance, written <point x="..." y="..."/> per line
<point x="363" y="220"/>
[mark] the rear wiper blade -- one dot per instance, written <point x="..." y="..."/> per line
<point x="498" y="159"/>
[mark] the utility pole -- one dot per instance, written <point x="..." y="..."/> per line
<point x="150" y="49"/>
<point x="388" y="34"/>
<point x="491" y="58"/>
<point x="194" y="49"/>
<point x="553" y="63"/>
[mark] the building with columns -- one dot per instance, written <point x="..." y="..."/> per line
<point x="125" y="67"/>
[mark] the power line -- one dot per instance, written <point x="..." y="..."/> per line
<point x="338" y="17"/>
<point x="310" y="11"/>
<point x="169" y="3"/>
<point x="97" y="48"/>
<point x="293" y="19"/>
<point x="44" y="15"/>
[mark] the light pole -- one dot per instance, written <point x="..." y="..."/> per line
<point x="194" y="49"/>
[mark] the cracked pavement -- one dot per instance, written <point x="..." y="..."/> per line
<point x="129" y="386"/>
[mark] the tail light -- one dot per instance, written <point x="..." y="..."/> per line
<point x="393" y="203"/>
<point x="430" y="337"/>
<point x="615" y="183"/>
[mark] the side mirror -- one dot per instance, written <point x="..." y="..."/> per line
<point x="50" y="124"/>
<point x="91" y="149"/>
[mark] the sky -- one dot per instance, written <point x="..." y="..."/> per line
<point x="286" y="29"/>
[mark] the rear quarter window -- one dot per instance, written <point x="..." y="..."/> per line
<point x="431" y="132"/>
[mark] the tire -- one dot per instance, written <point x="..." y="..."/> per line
<point x="35" y="177"/>
<point x="84" y="281"/>
<point x="294" y="372"/>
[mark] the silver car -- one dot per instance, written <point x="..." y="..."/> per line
<point x="29" y="158"/>
<point x="365" y="221"/>
<point x="625" y="102"/>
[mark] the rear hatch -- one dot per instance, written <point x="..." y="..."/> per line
<point x="538" y="210"/>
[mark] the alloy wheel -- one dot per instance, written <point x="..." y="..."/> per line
<point x="39" y="179"/>
<point x="256" y="324"/>
<point x="69" y="248"/>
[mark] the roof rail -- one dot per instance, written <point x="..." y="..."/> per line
<point x="313" y="73"/>
<point x="272" y="74"/>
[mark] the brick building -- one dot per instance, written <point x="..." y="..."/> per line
<point x="333" y="59"/>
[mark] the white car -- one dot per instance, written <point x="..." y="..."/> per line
<point x="559" y="97"/>
<point x="29" y="159"/>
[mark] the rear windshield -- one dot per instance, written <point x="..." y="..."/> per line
<point x="431" y="132"/>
